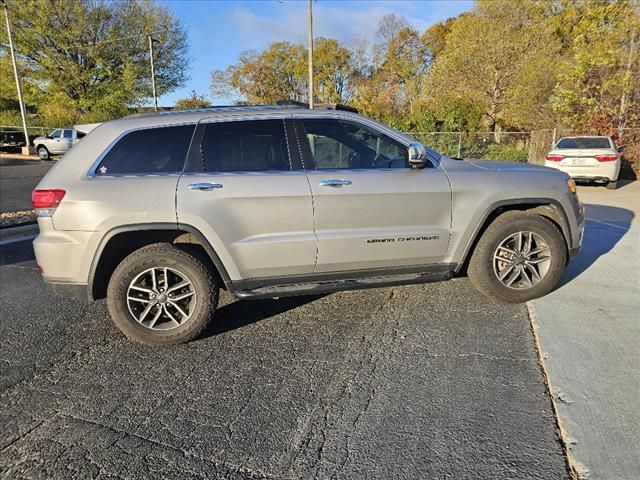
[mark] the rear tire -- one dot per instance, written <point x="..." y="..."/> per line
<point x="162" y="295"/>
<point x="612" y="185"/>
<point x="43" y="153"/>
<point x="533" y="266"/>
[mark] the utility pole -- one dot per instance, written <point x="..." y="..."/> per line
<point x="310" y="55"/>
<point x="153" y="74"/>
<point x="27" y="148"/>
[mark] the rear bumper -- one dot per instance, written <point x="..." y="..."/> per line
<point x="69" y="290"/>
<point x="603" y="172"/>
<point x="64" y="256"/>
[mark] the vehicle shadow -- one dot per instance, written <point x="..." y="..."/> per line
<point x="604" y="227"/>
<point x="17" y="252"/>
<point x="241" y="313"/>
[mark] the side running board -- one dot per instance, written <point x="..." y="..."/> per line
<point x="329" y="286"/>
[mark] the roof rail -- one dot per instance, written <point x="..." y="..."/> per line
<point x="280" y="104"/>
<point x="336" y="106"/>
<point x="317" y="106"/>
<point x="226" y="107"/>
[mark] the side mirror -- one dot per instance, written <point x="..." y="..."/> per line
<point x="417" y="155"/>
<point x="622" y="148"/>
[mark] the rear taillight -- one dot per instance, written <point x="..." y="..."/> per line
<point x="554" y="158"/>
<point x="606" y="158"/>
<point x="46" y="198"/>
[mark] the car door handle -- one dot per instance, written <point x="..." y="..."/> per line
<point x="334" y="183"/>
<point x="204" y="186"/>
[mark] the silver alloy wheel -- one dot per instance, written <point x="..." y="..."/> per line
<point x="161" y="298"/>
<point x="42" y="153"/>
<point x="522" y="260"/>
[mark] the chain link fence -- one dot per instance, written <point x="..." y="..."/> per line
<point x="506" y="146"/>
<point x="524" y="147"/>
<point x="529" y="147"/>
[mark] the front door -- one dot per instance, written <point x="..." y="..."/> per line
<point x="54" y="145"/>
<point x="245" y="196"/>
<point x="371" y="210"/>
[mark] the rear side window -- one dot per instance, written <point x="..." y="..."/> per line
<point x="578" y="142"/>
<point x="246" y="146"/>
<point x="67" y="134"/>
<point x="152" y="150"/>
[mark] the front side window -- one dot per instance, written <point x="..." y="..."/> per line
<point x="56" y="134"/>
<point x="342" y="144"/>
<point x="245" y="146"/>
<point x="148" y="151"/>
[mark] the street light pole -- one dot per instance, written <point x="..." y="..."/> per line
<point x="153" y="74"/>
<point x="15" y="72"/>
<point x="310" y="56"/>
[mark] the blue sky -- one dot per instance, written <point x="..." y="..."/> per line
<point x="220" y="30"/>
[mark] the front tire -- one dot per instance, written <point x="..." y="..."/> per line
<point x="162" y="295"/>
<point x="43" y="153"/>
<point x="519" y="257"/>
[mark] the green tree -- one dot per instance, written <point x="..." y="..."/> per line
<point x="192" y="102"/>
<point x="90" y="59"/>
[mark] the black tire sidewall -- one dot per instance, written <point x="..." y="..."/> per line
<point x="47" y="156"/>
<point x="485" y="277"/>
<point x="165" y="256"/>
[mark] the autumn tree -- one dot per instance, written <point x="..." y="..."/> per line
<point x="280" y="73"/>
<point x="332" y="71"/>
<point x="388" y="28"/>
<point x="494" y="64"/>
<point x="598" y="82"/>
<point x="394" y="88"/>
<point x="192" y="102"/>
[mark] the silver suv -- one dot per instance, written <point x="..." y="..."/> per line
<point x="158" y="212"/>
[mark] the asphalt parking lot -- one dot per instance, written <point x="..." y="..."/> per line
<point x="17" y="179"/>
<point x="430" y="381"/>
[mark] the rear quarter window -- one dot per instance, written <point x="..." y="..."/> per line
<point x="148" y="151"/>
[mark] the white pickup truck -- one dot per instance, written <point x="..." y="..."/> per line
<point x="61" y="140"/>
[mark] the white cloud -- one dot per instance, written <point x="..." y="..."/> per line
<point x="256" y="31"/>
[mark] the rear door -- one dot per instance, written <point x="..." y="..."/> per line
<point x="250" y="197"/>
<point x="371" y="209"/>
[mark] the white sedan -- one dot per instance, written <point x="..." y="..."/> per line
<point x="594" y="159"/>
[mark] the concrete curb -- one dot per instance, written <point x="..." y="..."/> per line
<point x="573" y="467"/>
<point x="19" y="233"/>
<point x="17" y="156"/>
